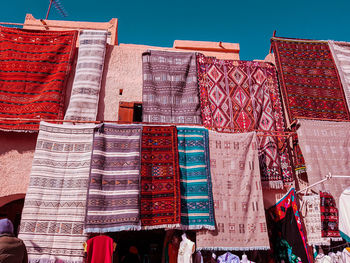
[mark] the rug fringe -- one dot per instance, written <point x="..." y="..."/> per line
<point x="197" y="227"/>
<point x="272" y="184"/>
<point x="113" y="229"/>
<point x="233" y="248"/>
<point x="165" y="226"/>
<point x="336" y="239"/>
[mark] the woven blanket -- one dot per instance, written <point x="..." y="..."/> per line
<point x="114" y="188"/>
<point x="341" y="56"/>
<point x="197" y="208"/>
<point x="84" y="98"/>
<point x="244" y="95"/>
<point x="329" y="216"/>
<point x="54" y="208"/>
<point x="160" y="178"/>
<point x="311" y="213"/>
<point x="170" y="89"/>
<point x="287" y="234"/>
<point x="238" y="199"/>
<point x="34" y="67"/>
<point x="326" y="149"/>
<point x="309" y="80"/>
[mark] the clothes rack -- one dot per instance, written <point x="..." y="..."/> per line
<point x="328" y="177"/>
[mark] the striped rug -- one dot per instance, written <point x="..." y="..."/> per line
<point x="84" y="98"/>
<point x="54" y="210"/>
<point x="113" y="202"/>
<point x="197" y="207"/>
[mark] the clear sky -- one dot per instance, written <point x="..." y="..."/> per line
<point x="247" y="22"/>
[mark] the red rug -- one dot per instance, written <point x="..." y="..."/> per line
<point x="34" y="66"/>
<point x="160" y="178"/>
<point x="309" y="79"/>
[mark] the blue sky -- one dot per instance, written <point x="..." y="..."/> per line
<point x="247" y="22"/>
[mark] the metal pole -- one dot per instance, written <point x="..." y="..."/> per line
<point x="48" y="10"/>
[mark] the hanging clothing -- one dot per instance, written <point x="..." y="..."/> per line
<point x="329" y="217"/>
<point x="287" y="234"/>
<point x="170" y="89"/>
<point x="160" y="178"/>
<point x="228" y="258"/>
<point x="197" y="206"/>
<point x="172" y="253"/>
<point x="113" y="202"/>
<point x="186" y="250"/>
<point x="100" y="249"/>
<point x="85" y="93"/>
<point x="198" y="257"/>
<point x="321" y="258"/>
<point x="346" y="255"/>
<point x="344" y="214"/>
<point x="55" y="204"/>
<point x="238" y="200"/>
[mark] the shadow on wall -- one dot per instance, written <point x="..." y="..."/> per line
<point x="12" y="210"/>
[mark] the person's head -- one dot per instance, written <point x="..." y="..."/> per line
<point x="175" y="240"/>
<point x="6" y="226"/>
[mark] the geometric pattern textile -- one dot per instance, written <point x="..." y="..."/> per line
<point x="309" y="80"/>
<point x="287" y="233"/>
<point x="325" y="146"/>
<point x="243" y="96"/>
<point x="310" y="210"/>
<point x="237" y="193"/>
<point x="329" y="217"/>
<point x="341" y="56"/>
<point x="197" y="208"/>
<point x="54" y="209"/>
<point x="170" y="89"/>
<point x="160" y="178"/>
<point x="113" y="202"/>
<point x="88" y="75"/>
<point x="34" y="67"/>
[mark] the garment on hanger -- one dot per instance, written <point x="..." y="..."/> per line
<point x="239" y="208"/>
<point x="310" y="210"/>
<point x="113" y="202"/>
<point x="346" y="255"/>
<point x="198" y="258"/>
<point x="160" y="178"/>
<point x="336" y="257"/>
<point x="329" y="217"/>
<point x="170" y="89"/>
<point x="244" y="95"/>
<point x="100" y="249"/>
<point x="321" y="258"/>
<point x="287" y="233"/>
<point x="245" y="259"/>
<point x="186" y="250"/>
<point x="344" y="214"/>
<point x="197" y="206"/>
<point x="228" y="258"/>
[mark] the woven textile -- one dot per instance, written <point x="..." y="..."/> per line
<point x="34" y="67"/>
<point x="238" y="202"/>
<point x="287" y="234"/>
<point x="329" y="216"/>
<point x="309" y="80"/>
<point x="341" y="56"/>
<point x="311" y="213"/>
<point x="114" y="192"/>
<point x="170" y="89"/>
<point x="197" y="208"/>
<point x="54" y="208"/>
<point x="88" y="75"/>
<point x="326" y="149"/>
<point x="244" y="95"/>
<point x="160" y="178"/>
